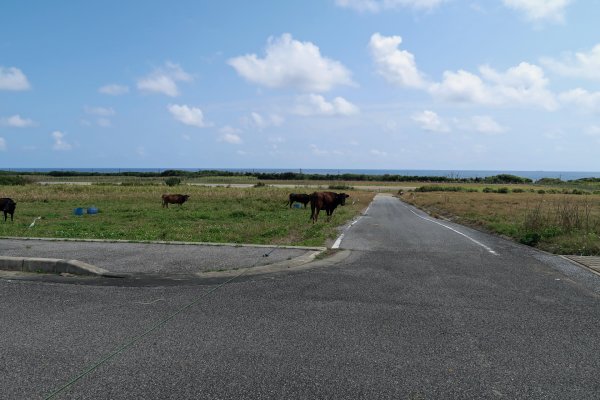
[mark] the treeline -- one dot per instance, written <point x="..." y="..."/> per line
<point x="285" y="176"/>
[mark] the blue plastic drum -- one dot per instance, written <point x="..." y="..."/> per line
<point x="78" y="211"/>
<point x="92" y="210"/>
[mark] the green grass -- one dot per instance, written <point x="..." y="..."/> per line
<point x="231" y="215"/>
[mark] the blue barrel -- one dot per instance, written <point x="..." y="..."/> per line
<point x="78" y="211"/>
<point x="92" y="210"/>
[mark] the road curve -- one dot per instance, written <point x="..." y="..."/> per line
<point x="417" y="311"/>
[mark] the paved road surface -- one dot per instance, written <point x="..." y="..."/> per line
<point x="417" y="311"/>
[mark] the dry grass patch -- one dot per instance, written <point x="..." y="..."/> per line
<point x="565" y="224"/>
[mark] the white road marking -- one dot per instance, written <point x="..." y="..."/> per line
<point x="453" y="230"/>
<point x="338" y="241"/>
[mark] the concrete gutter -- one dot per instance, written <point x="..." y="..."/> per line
<point x="53" y="266"/>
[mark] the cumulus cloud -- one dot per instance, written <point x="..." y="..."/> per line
<point x="12" y="78"/>
<point x="114" y="89"/>
<point x="2" y="144"/>
<point x="396" y="66"/>
<point x="59" y="141"/>
<point x="578" y="65"/>
<point x="291" y="63"/>
<point x="482" y="124"/>
<point x="540" y="10"/>
<point x="16" y="121"/>
<point x="314" y="104"/>
<point x="259" y="121"/>
<point x="230" y="135"/>
<point x="192" y="116"/>
<point x="524" y="84"/>
<point x="164" y="80"/>
<point x="99" y="111"/>
<point x="430" y="121"/>
<point x="581" y="98"/>
<point x="375" y="6"/>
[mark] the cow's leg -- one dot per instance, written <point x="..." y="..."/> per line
<point x="5" y="215"/>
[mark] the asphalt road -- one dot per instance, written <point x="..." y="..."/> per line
<point x="418" y="310"/>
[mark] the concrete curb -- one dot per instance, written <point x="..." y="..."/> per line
<point x="266" y="246"/>
<point x="52" y="265"/>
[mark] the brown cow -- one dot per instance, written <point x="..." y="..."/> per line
<point x="174" y="199"/>
<point x="327" y="201"/>
<point x="300" y="198"/>
<point x="7" y="206"/>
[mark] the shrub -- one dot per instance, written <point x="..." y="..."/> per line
<point x="541" y="191"/>
<point x="488" y="190"/>
<point x="431" y="188"/>
<point x="530" y="238"/>
<point x="503" y="190"/>
<point x="259" y="184"/>
<point x="518" y="190"/>
<point x="172" y="181"/>
<point x="11" y="180"/>
<point x="341" y="186"/>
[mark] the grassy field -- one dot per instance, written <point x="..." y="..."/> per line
<point x="555" y="222"/>
<point x="134" y="212"/>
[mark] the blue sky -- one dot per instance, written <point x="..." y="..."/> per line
<point x="360" y="84"/>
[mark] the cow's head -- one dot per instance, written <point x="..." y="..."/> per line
<point x="185" y="197"/>
<point x="341" y="198"/>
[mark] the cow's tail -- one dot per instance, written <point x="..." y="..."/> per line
<point x="313" y="200"/>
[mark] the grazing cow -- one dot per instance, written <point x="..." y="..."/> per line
<point x="327" y="201"/>
<point x="8" y="207"/>
<point x="300" y="198"/>
<point x="174" y="199"/>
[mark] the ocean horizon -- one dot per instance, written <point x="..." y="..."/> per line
<point x="534" y="175"/>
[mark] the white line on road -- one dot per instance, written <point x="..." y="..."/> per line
<point x="453" y="230"/>
<point x="338" y="241"/>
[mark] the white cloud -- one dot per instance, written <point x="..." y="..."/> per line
<point x="231" y="138"/>
<point x="314" y="104"/>
<point x="581" y="65"/>
<point x="104" y="122"/>
<point x="12" y="78"/>
<point x="524" y="84"/>
<point x="229" y="134"/>
<point x="260" y="122"/>
<point x="99" y="111"/>
<point x="59" y="142"/>
<point x="381" y="5"/>
<point x="188" y="115"/>
<point x="2" y="144"/>
<point x="482" y="124"/>
<point x="291" y="63"/>
<point x="378" y="153"/>
<point x="164" y="80"/>
<point x="16" y="121"/>
<point x="581" y="98"/>
<point x="317" y="151"/>
<point x="114" y="89"/>
<point x="430" y="121"/>
<point x="539" y="10"/>
<point x="396" y="66"/>
<point x="593" y="130"/>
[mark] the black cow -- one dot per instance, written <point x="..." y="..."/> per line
<point x="174" y="199"/>
<point x="300" y="198"/>
<point x="8" y="207"/>
<point x="327" y="201"/>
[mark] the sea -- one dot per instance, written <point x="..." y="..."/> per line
<point x="534" y="175"/>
